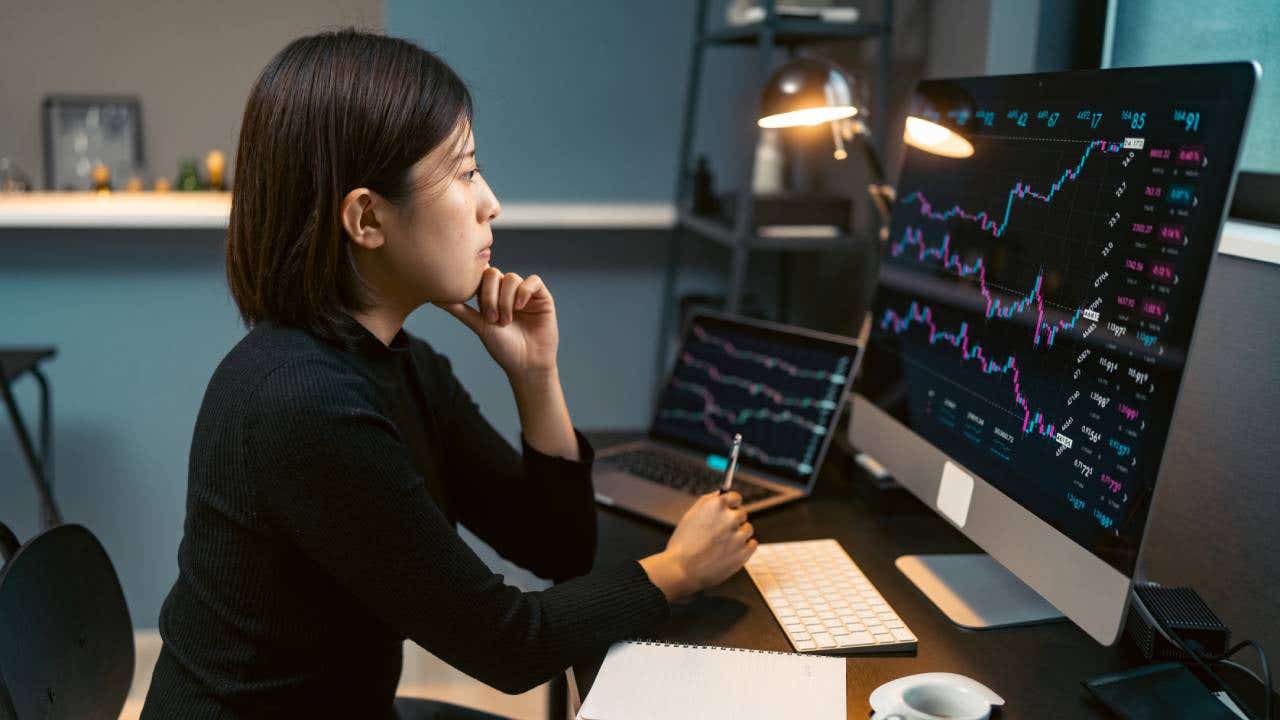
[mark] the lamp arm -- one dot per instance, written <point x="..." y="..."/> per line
<point x="872" y="159"/>
<point x="882" y="194"/>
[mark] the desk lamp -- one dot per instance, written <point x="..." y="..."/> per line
<point x="810" y="91"/>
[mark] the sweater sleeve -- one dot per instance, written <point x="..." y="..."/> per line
<point x="536" y="510"/>
<point x="337" y="482"/>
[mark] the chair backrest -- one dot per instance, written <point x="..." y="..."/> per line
<point x="66" y="641"/>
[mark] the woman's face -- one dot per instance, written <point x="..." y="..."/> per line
<point x="437" y="241"/>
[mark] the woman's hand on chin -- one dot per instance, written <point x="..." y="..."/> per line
<point x="516" y="322"/>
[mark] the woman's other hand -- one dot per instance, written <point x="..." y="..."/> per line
<point x="712" y="542"/>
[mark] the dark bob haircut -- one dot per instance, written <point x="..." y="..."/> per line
<point x="330" y="113"/>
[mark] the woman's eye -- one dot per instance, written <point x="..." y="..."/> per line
<point x="471" y="174"/>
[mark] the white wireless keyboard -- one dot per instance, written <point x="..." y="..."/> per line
<point x="823" y="601"/>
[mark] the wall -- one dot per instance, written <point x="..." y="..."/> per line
<point x="190" y="61"/>
<point x="583" y="101"/>
<point x="1168" y="32"/>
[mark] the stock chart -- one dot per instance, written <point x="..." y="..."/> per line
<point x="779" y="391"/>
<point x="1039" y="296"/>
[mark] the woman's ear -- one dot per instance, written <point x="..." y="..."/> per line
<point x="360" y="219"/>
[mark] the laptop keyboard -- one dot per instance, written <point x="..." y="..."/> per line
<point x="684" y="475"/>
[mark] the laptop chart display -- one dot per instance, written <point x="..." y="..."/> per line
<point x="780" y="390"/>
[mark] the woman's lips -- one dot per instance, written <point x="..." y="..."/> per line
<point x="486" y="253"/>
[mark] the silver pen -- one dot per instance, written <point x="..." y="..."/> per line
<point x="733" y="464"/>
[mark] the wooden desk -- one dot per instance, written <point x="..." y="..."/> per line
<point x="1037" y="669"/>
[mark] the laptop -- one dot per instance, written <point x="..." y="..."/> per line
<point x="780" y="386"/>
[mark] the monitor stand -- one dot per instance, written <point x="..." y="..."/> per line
<point x="976" y="592"/>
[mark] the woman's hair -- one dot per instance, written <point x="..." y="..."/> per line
<point x="330" y="113"/>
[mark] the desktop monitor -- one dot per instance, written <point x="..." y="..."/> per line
<point x="1036" y="302"/>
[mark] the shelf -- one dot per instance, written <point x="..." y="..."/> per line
<point x="211" y="210"/>
<point x="795" y="31"/>
<point x="116" y="210"/>
<point x="722" y="233"/>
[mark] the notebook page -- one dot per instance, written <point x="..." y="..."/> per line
<point x="648" y="680"/>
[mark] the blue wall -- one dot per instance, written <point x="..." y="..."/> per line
<point x="581" y="101"/>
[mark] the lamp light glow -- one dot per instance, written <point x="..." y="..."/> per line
<point x="807" y="116"/>
<point x="936" y="139"/>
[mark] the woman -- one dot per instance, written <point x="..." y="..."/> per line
<point x="334" y="453"/>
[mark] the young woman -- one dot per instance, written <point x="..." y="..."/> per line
<point x="334" y="453"/>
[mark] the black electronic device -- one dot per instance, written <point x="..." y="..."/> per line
<point x="1178" y="610"/>
<point x="1168" y="691"/>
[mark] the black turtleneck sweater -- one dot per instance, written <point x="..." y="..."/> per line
<point x="324" y="487"/>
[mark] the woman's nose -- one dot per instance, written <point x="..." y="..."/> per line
<point x="490" y="209"/>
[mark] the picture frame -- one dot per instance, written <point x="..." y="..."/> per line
<point x="81" y="131"/>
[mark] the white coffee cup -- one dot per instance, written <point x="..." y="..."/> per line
<point x="938" y="701"/>
<point x="933" y="696"/>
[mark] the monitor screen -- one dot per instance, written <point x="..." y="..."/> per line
<point x="780" y="387"/>
<point x="1038" y="294"/>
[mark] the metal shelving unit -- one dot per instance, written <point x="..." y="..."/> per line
<point x="767" y="36"/>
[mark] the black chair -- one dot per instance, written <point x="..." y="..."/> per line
<point x="66" y="641"/>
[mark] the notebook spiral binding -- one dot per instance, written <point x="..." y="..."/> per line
<point x="657" y="643"/>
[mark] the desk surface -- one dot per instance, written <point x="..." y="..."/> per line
<point x="1038" y="670"/>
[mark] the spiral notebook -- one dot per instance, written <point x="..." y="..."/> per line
<point x="661" y="680"/>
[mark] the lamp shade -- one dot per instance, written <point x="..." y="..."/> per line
<point x="807" y="91"/>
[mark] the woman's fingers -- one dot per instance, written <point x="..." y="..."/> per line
<point x="507" y="297"/>
<point x="487" y="296"/>
<point x="731" y="499"/>
<point x="531" y="286"/>
<point x="467" y="314"/>
<point x="501" y="295"/>
<point x="744" y="532"/>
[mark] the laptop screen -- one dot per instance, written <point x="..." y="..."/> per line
<point x="780" y="386"/>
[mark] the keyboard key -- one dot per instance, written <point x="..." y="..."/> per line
<point x="862" y="638"/>
<point x="904" y="636"/>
